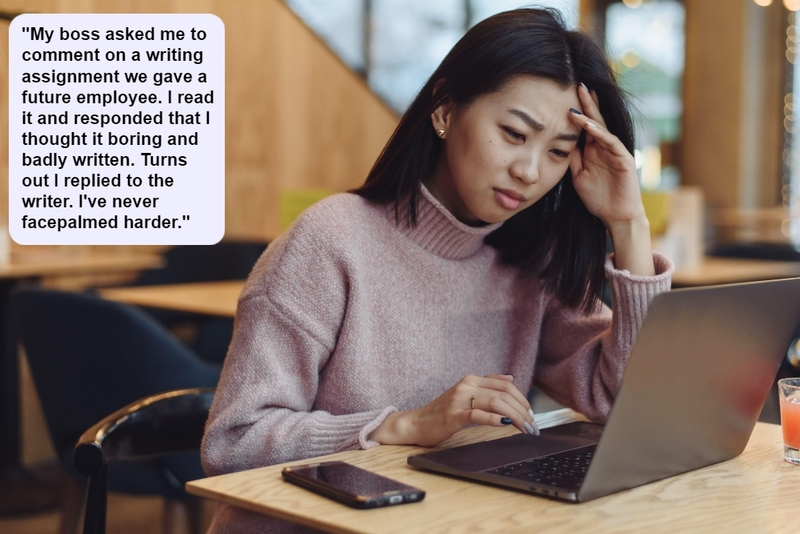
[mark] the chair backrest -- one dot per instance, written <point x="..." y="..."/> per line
<point x="89" y="357"/>
<point x="227" y="260"/>
<point x="160" y="424"/>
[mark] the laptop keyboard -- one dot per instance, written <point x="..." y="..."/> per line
<point x="563" y="470"/>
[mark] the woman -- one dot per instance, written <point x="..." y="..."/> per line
<point x="467" y="267"/>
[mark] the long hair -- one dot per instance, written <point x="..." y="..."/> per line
<point x="556" y="238"/>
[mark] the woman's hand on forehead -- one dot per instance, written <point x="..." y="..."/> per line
<point x="605" y="178"/>
<point x="604" y="173"/>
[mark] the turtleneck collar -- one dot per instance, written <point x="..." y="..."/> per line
<point x="439" y="232"/>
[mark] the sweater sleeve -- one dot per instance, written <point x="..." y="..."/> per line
<point x="582" y="357"/>
<point x="286" y="328"/>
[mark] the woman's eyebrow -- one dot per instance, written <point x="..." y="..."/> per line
<point x="530" y="121"/>
<point x="538" y="126"/>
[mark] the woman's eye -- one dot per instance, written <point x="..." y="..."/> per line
<point x="514" y="134"/>
<point x="560" y="153"/>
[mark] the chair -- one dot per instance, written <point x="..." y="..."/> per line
<point x="227" y="260"/>
<point x="146" y="429"/>
<point x="89" y="357"/>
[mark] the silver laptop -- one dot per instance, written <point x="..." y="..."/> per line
<point x="699" y="373"/>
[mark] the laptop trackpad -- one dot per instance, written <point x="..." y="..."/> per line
<point x="488" y="454"/>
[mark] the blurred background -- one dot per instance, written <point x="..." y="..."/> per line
<point x="316" y="87"/>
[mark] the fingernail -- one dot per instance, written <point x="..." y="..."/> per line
<point x="509" y="374"/>
<point x="584" y="86"/>
<point x="575" y="111"/>
<point x="534" y="426"/>
<point x="506" y="420"/>
<point x="528" y="428"/>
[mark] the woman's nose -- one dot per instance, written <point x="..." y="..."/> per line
<point x="526" y="169"/>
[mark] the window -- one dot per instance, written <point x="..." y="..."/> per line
<point x="791" y="151"/>
<point x="408" y="41"/>
<point x="645" y="41"/>
<point x="397" y="44"/>
<point x="340" y="23"/>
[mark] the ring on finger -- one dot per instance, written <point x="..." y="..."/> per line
<point x="472" y="402"/>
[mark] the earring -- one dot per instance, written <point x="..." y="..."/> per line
<point x="440" y="133"/>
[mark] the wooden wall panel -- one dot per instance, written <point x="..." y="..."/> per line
<point x="733" y="98"/>
<point x="712" y="93"/>
<point x="296" y="116"/>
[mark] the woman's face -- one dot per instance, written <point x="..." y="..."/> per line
<point x="504" y="151"/>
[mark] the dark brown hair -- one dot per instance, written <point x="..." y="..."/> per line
<point x="556" y="238"/>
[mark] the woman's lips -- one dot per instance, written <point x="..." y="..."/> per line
<point x="508" y="199"/>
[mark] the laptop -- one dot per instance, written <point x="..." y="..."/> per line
<point x="697" y="378"/>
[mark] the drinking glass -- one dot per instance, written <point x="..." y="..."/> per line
<point x="789" y="389"/>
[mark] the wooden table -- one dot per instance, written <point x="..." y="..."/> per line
<point x="755" y="492"/>
<point x="40" y="264"/>
<point x="715" y="271"/>
<point x="211" y="298"/>
<point x="19" y="492"/>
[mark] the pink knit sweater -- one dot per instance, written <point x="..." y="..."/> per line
<point x="348" y="317"/>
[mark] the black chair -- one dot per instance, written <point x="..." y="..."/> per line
<point x="147" y="429"/>
<point x="207" y="336"/>
<point x="226" y="260"/>
<point x="89" y="357"/>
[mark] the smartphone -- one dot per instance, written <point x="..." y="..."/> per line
<point x="352" y="485"/>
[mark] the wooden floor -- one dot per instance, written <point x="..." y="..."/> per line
<point x="126" y="515"/>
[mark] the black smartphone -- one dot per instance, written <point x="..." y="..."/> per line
<point x="352" y="485"/>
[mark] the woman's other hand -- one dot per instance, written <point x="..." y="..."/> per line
<point x="604" y="176"/>
<point x="489" y="400"/>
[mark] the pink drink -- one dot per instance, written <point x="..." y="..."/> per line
<point x="789" y="389"/>
<point x="790" y="421"/>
